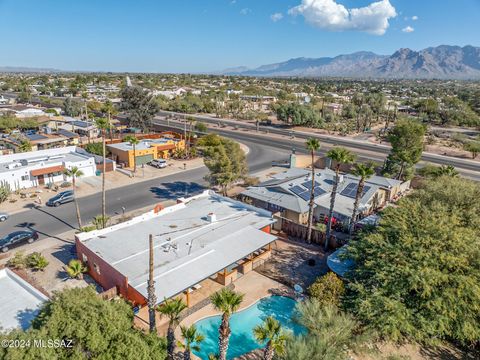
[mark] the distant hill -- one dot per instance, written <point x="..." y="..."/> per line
<point x="441" y="62"/>
<point x="19" y="69"/>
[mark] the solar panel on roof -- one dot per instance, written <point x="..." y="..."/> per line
<point x="318" y="191"/>
<point x="308" y="184"/>
<point x="305" y="195"/>
<point x="34" y="137"/>
<point x="351" y="190"/>
<point x="297" y="190"/>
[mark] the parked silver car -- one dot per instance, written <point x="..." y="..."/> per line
<point x="3" y="216"/>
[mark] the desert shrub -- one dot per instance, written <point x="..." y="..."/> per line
<point x="327" y="289"/>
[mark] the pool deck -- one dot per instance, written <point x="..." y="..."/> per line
<point x="255" y="286"/>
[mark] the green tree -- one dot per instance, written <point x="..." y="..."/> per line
<point x="139" y="105"/>
<point x="75" y="269"/>
<point x="96" y="148"/>
<point x="418" y="275"/>
<point x="192" y="340"/>
<point x="109" y="110"/>
<point x="74" y="173"/>
<point x="327" y="290"/>
<point x="25" y="146"/>
<point x="406" y="139"/>
<point x="312" y="145"/>
<point x="432" y="171"/>
<point x="227" y="302"/>
<point x="133" y="142"/>
<point x="270" y="334"/>
<point x="473" y="147"/>
<point x="99" y="329"/>
<point x="100" y="221"/>
<point x="364" y="172"/>
<point x="331" y="335"/>
<point x="224" y="159"/>
<point x="72" y="107"/>
<point x="103" y="124"/>
<point x="201" y="127"/>
<point x="171" y="309"/>
<point x="339" y="156"/>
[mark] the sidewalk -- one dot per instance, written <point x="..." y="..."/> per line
<point x="93" y="184"/>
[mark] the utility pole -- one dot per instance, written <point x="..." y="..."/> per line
<point x="152" y="298"/>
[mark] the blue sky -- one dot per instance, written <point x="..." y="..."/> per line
<point x="210" y="35"/>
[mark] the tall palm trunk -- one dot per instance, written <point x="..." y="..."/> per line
<point x="268" y="353"/>
<point x="332" y="205"/>
<point x="110" y="127"/>
<point x="224" y="337"/>
<point x="358" y="195"/>
<point x="79" y="219"/>
<point x="134" y="160"/>
<point x="170" y="342"/>
<point x="104" y="206"/>
<point x="311" y="203"/>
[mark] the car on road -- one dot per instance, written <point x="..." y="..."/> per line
<point x="3" y="216"/>
<point x="16" y="238"/>
<point x="61" y="198"/>
<point x="158" y="163"/>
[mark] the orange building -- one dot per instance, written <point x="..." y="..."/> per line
<point x="145" y="151"/>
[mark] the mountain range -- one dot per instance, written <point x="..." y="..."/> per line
<point x="441" y="62"/>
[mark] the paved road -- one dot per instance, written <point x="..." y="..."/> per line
<point x="50" y="221"/>
<point x="357" y="145"/>
<point x="371" y="152"/>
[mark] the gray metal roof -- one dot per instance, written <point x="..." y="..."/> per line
<point x="188" y="247"/>
<point x="277" y="190"/>
<point x="19" y="301"/>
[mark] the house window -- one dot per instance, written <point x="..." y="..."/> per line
<point x="85" y="258"/>
<point x="24" y="177"/>
<point x="96" y="268"/>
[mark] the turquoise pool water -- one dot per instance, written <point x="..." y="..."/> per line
<point x="242" y="324"/>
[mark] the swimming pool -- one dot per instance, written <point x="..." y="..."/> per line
<point x="242" y="323"/>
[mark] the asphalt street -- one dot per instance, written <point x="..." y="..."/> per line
<point x="50" y="221"/>
<point x="363" y="149"/>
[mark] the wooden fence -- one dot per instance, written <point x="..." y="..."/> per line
<point x="109" y="294"/>
<point x="298" y="232"/>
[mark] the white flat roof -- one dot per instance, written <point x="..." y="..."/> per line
<point x="188" y="247"/>
<point x="19" y="301"/>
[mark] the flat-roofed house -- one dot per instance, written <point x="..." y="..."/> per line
<point x="19" y="301"/>
<point x="146" y="150"/>
<point x="42" y="167"/>
<point x="200" y="237"/>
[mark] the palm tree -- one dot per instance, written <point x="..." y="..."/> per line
<point x="75" y="173"/>
<point x="446" y="170"/>
<point x="192" y="339"/>
<point x="270" y="331"/>
<point x="312" y="145"/>
<point x="171" y="309"/>
<point x="340" y="156"/>
<point x="364" y="172"/>
<point x="134" y="142"/>
<point x="109" y="110"/>
<point x="103" y="125"/>
<point x="75" y="269"/>
<point x="227" y="301"/>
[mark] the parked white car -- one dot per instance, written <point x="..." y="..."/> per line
<point x="158" y="163"/>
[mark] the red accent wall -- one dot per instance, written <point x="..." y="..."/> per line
<point x="109" y="277"/>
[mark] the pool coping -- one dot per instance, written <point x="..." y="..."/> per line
<point x="243" y="309"/>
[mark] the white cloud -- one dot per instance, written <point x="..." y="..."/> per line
<point x="408" y="29"/>
<point x="276" y="17"/>
<point x="245" y="11"/>
<point x="329" y="15"/>
<point x="414" y="17"/>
